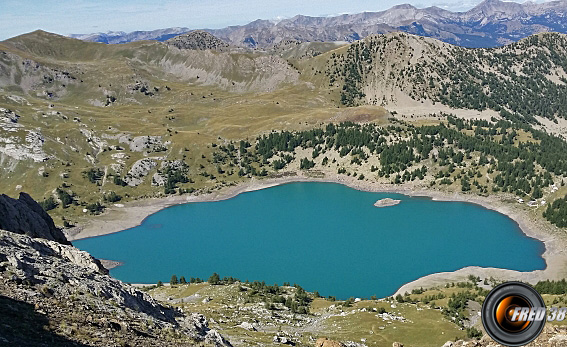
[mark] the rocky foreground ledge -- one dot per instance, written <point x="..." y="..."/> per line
<point x="52" y="294"/>
<point x="46" y="283"/>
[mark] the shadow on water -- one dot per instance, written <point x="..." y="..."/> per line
<point x="21" y="325"/>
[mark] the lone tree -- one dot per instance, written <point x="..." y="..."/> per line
<point x="173" y="280"/>
<point x="182" y="280"/>
<point x="214" y="279"/>
<point x="159" y="283"/>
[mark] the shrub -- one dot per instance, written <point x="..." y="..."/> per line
<point x="113" y="197"/>
<point x="93" y="174"/>
<point x="48" y="204"/>
<point x="95" y="208"/>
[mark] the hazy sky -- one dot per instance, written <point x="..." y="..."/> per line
<point x="87" y="16"/>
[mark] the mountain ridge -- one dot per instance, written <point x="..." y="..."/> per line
<point x="198" y="40"/>
<point x="400" y="69"/>
<point x="489" y="24"/>
<point x="89" y="126"/>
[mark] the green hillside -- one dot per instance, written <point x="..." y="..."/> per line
<point x="86" y="125"/>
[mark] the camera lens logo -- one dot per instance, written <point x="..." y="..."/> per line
<point x="513" y="314"/>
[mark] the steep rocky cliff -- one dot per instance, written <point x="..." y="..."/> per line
<point x="25" y="216"/>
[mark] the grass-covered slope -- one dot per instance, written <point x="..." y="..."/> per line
<point x="88" y="125"/>
<point x="79" y="120"/>
<point x="255" y="313"/>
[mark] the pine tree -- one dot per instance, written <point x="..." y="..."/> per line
<point x="214" y="279"/>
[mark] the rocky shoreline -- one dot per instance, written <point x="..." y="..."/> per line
<point x="555" y="253"/>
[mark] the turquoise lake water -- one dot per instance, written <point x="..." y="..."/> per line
<point x="322" y="236"/>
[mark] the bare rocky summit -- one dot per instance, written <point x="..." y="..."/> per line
<point x="198" y="40"/>
<point x="491" y="23"/>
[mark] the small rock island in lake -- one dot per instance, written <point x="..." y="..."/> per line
<point x="386" y="202"/>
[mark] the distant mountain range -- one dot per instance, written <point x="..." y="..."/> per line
<point x="491" y="23"/>
<point x="123" y="37"/>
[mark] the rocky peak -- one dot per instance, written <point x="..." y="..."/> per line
<point x="495" y="9"/>
<point x="25" y="216"/>
<point x="198" y="40"/>
<point x="403" y="7"/>
<point x="401" y="14"/>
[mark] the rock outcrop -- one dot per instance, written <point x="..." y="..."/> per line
<point x="139" y="171"/>
<point x="198" y="40"/>
<point x="25" y="216"/>
<point x="325" y="342"/>
<point x="71" y="289"/>
<point x="386" y="202"/>
<point x="52" y="293"/>
<point x="551" y="336"/>
<point x="142" y="143"/>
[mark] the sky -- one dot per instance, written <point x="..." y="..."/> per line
<point x="88" y="16"/>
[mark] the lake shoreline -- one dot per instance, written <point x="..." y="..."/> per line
<point x="133" y="213"/>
